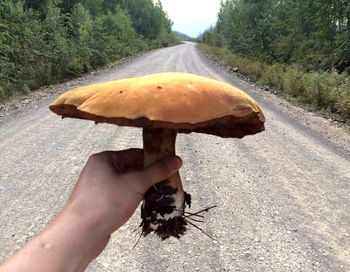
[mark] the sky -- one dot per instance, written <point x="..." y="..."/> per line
<point x="192" y="17"/>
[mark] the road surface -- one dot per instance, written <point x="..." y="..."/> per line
<point x="283" y="196"/>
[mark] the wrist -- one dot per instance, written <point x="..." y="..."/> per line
<point x="101" y="220"/>
<point x="69" y="243"/>
<point x="90" y="222"/>
<point x="85" y="230"/>
<point x="73" y="240"/>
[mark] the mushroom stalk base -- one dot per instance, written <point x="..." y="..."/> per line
<point x="163" y="207"/>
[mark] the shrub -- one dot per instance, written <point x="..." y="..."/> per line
<point x="44" y="42"/>
<point x="272" y="76"/>
<point x="327" y="91"/>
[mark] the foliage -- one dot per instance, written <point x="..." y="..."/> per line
<point x="42" y="42"/>
<point x="314" y="34"/>
<point x="325" y="91"/>
<point x="300" y="48"/>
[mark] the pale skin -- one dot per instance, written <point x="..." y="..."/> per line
<point x="108" y="191"/>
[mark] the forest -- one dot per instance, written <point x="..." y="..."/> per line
<point x="46" y="41"/>
<point x="301" y="48"/>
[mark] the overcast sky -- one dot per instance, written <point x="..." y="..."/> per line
<point x="192" y="16"/>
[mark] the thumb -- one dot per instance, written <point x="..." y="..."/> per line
<point x="158" y="171"/>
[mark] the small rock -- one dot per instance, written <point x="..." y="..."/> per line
<point x="247" y="253"/>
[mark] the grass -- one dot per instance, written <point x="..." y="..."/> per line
<point x="327" y="92"/>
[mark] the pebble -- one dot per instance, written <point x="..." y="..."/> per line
<point x="247" y="253"/>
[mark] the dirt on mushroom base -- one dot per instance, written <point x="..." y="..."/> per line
<point x="160" y="201"/>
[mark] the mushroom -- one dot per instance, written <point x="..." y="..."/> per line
<point x="163" y="105"/>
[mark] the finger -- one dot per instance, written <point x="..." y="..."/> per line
<point x="157" y="172"/>
<point x="125" y="159"/>
<point x="128" y="159"/>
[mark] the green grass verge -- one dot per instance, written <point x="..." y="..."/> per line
<point x="326" y="92"/>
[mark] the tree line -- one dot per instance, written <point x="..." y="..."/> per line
<point x="46" y="41"/>
<point x="311" y="34"/>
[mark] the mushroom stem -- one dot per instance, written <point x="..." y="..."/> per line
<point x="163" y="207"/>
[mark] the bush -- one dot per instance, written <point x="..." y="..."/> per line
<point x="44" y="42"/>
<point x="343" y="103"/>
<point x="293" y="83"/>
<point x="327" y="91"/>
<point x="272" y="76"/>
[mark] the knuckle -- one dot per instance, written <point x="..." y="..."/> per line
<point x="94" y="157"/>
<point x="97" y="157"/>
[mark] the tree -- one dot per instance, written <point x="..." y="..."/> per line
<point x="69" y="37"/>
<point x="312" y="33"/>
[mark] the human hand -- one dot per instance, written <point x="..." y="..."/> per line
<point x="108" y="191"/>
<point x="111" y="186"/>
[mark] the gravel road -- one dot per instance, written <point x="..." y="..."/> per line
<point x="283" y="196"/>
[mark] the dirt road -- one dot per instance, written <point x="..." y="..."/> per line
<point x="283" y="196"/>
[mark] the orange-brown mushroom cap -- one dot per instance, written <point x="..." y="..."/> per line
<point x="180" y="101"/>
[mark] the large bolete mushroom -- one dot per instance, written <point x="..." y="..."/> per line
<point x="163" y="105"/>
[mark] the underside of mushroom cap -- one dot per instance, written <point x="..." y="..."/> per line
<point x="181" y="101"/>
